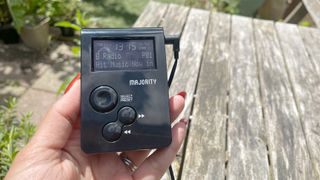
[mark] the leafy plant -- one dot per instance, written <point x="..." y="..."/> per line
<point x="5" y="16"/>
<point x="28" y="12"/>
<point x="15" y="132"/>
<point x="197" y="3"/>
<point x="305" y="23"/>
<point x="32" y="12"/>
<point x="63" y="9"/>
<point x="79" y="20"/>
<point x="227" y="6"/>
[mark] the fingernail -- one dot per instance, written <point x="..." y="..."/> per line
<point x="185" y="121"/>
<point x="72" y="82"/>
<point x="183" y="94"/>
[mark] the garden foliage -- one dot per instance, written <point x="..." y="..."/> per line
<point x="15" y="132"/>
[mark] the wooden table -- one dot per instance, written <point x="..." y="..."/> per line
<point x="253" y="94"/>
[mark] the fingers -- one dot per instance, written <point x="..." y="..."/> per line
<point x="155" y="165"/>
<point x="176" y="106"/>
<point x="55" y="129"/>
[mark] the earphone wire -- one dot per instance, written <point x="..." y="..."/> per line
<point x="172" y="73"/>
<point x="175" y="41"/>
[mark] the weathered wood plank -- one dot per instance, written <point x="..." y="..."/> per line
<point x="247" y="147"/>
<point x="205" y="152"/>
<point x="306" y="87"/>
<point x="192" y="45"/>
<point x="191" y="48"/>
<point x="175" y="18"/>
<point x="173" y="23"/>
<point x="313" y="7"/>
<point x="311" y="38"/>
<point x="152" y="15"/>
<point x="289" y="156"/>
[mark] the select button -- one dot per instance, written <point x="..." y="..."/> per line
<point x="103" y="99"/>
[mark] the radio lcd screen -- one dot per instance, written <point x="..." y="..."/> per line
<point x="123" y="54"/>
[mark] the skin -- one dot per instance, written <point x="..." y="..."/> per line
<point x="54" y="151"/>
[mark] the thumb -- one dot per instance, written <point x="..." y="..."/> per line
<point x="55" y="129"/>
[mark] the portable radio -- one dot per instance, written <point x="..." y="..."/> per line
<point x="124" y="90"/>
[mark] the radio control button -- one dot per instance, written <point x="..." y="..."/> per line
<point x="127" y="115"/>
<point x="112" y="131"/>
<point x="103" y="99"/>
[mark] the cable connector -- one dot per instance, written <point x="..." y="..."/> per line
<point x="175" y="41"/>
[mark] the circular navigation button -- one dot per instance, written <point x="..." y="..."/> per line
<point x="103" y="98"/>
<point x="112" y="131"/>
<point x="127" y="115"/>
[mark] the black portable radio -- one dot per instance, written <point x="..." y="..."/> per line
<point x="124" y="90"/>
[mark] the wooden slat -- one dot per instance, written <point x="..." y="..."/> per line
<point x="175" y="18"/>
<point x="173" y="23"/>
<point x="306" y="87"/>
<point x="205" y="152"/>
<point x="297" y="14"/>
<point x="247" y="150"/>
<point x="313" y="7"/>
<point x="287" y="146"/>
<point x="191" y="49"/>
<point x="311" y="38"/>
<point x="152" y="15"/>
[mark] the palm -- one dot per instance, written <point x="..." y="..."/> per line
<point x="55" y="152"/>
<point x="104" y="166"/>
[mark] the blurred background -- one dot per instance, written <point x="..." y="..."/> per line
<point x="39" y="50"/>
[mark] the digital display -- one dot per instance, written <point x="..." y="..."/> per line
<point x="123" y="54"/>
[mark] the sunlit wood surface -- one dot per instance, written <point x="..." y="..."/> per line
<point x="253" y="94"/>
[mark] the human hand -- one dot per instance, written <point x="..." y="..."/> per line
<point x="54" y="151"/>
